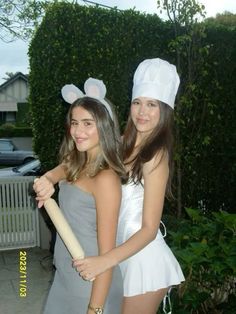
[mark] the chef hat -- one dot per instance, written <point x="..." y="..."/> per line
<point x="156" y="78"/>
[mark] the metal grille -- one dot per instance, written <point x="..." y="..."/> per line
<point x="19" y="218"/>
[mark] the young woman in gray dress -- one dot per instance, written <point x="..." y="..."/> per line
<point x="90" y="200"/>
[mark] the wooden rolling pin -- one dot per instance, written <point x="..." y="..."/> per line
<point x="64" y="229"/>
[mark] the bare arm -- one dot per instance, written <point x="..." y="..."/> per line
<point x="44" y="186"/>
<point x="154" y="193"/>
<point x="107" y="193"/>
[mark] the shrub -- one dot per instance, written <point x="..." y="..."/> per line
<point x="9" y="130"/>
<point x="205" y="246"/>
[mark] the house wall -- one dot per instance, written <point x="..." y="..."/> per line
<point x="13" y="95"/>
<point x="17" y="91"/>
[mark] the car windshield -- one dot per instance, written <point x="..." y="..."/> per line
<point x="29" y="166"/>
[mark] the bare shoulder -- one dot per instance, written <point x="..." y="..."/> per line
<point x="107" y="179"/>
<point x="107" y="175"/>
<point x="107" y="188"/>
<point x="159" y="163"/>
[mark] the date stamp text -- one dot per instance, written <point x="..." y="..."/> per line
<point x="23" y="274"/>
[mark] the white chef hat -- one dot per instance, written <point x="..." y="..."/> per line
<point x="156" y="78"/>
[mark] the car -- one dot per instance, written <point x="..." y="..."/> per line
<point x="10" y="155"/>
<point x="32" y="168"/>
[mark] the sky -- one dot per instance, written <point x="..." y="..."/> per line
<point x="13" y="56"/>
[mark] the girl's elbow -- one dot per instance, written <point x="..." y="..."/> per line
<point x="152" y="232"/>
<point x="153" y="235"/>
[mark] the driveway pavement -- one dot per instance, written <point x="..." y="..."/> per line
<point x="22" y="293"/>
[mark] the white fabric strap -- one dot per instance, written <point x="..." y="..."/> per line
<point x="164" y="235"/>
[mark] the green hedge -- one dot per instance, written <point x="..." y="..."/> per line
<point x="10" y="130"/>
<point x="23" y="115"/>
<point x="209" y="146"/>
<point x="74" y="42"/>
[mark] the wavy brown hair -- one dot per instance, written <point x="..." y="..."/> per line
<point x="160" y="140"/>
<point x="109" y="156"/>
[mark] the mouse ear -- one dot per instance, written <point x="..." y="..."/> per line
<point x="95" y="88"/>
<point x="71" y="93"/>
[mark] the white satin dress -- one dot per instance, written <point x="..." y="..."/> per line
<point x="154" y="267"/>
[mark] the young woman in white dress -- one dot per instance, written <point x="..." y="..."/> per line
<point x="148" y="266"/>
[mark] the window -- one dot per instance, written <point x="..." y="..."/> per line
<point x="6" y="146"/>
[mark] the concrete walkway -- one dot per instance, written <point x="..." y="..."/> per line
<point x="38" y="280"/>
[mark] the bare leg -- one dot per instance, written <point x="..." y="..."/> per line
<point x="147" y="303"/>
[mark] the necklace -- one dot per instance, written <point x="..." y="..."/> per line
<point x="89" y="171"/>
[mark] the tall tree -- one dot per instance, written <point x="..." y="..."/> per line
<point x="227" y="19"/>
<point x="189" y="52"/>
<point x="18" y="18"/>
<point x="9" y="75"/>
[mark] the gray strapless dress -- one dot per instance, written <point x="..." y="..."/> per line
<point x="69" y="293"/>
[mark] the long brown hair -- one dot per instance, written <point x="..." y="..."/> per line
<point x="160" y="140"/>
<point x="109" y="156"/>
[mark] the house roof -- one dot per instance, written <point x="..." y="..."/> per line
<point x="14" y="78"/>
<point x="8" y="106"/>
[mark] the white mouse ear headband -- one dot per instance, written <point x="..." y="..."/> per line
<point x="93" y="88"/>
